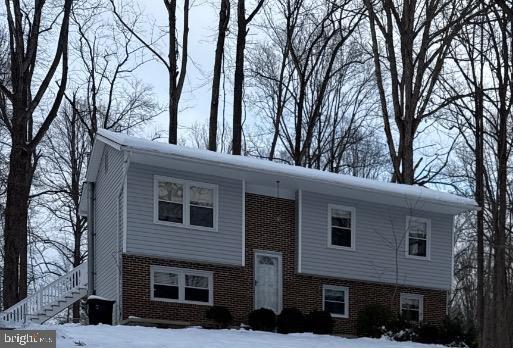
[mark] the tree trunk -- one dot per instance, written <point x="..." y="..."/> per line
<point x="224" y="18"/>
<point x="173" y="72"/>
<point x="16" y="225"/>
<point x="24" y="139"/>
<point x="479" y="196"/>
<point x="238" y="82"/>
<point x="500" y="290"/>
<point x="502" y="326"/>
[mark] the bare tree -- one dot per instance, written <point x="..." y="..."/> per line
<point x="64" y="165"/>
<point x="471" y="64"/>
<point x="238" y="80"/>
<point x="224" y="18"/>
<point x="410" y="43"/>
<point x="105" y="93"/>
<point x="484" y="119"/>
<point x="307" y="82"/>
<point x="176" y="60"/>
<point x="24" y="93"/>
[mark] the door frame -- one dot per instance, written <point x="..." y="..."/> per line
<point x="278" y="255"/>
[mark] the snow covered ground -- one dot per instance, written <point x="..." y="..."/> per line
<point x="69" y="336"/>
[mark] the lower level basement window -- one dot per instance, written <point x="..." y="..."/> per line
<point x="181" y="285"/>
<point x="412" y="307"/>
<point x="335" y="300"/>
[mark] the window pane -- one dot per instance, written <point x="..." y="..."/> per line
<point x="417" y="247"/>
<point x="202" y="216"/>
<point x="334" y="295"/>
<point x="418" y="229"/>
<point x="165" y="278"/>
<point x="410" y="303"/>
<point x="266" y="260"/>
<point x="202" y="196"/>
<point x="172" y="212"/>
<point x="196" y="281"/>
<point x="341" y="237"/>
<point x="410" y="315"/>
<point x="171" y="192"/>
<point x="335" y="307"/>
<point x="341" y="218"/>
<point x="165" y="291"/>
<point x="200" y="295"/>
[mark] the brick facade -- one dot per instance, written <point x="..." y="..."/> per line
<point x="270" y="226"/>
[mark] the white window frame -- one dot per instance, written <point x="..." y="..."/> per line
<point x="346" y="299"/>
<point x="353" y="226"/>
<point x="186" y="202"/>
<point x="181" y="272"/>
<point x="420" y="298"/>
<point x="428" y="238"/>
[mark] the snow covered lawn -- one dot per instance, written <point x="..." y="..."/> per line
<point x="69" y="336"/>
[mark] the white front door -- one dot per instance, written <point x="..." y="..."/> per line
<point x="268" y="281"/>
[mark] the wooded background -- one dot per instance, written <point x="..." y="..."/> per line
<point x="416" y="92"/>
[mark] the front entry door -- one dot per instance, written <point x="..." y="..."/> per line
<point x="268" y="281"/>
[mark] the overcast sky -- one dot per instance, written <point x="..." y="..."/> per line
<point x="195" y="102"/>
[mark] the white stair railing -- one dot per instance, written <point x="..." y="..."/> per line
<point x="73" y="281"/>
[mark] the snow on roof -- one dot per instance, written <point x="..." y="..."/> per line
<point x="260" y="165"/>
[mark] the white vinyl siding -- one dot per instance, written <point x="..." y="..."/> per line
<point x="380" y="241"/>
<point x="108" y="208"/>
<point x="181" y="285"/>
<point x="178" y="241"/>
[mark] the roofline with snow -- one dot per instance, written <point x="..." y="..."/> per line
<point x="135" y="145"/>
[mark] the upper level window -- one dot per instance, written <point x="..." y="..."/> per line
<point x="201" y="206"/>
<point x="187" y="203"/>
<point x="335" y="300"/>
<point x="171" y="201"/>
<point x="181" y="285"/>
<point x="418" y="236"/>
<point x="412" y="307"/>
<point x="341" y="227"/>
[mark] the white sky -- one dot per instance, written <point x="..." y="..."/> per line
<point x="195" y="101"/>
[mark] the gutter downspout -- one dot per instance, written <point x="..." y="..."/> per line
<point x="123" y="236"/>
<point x="91" y="236"/>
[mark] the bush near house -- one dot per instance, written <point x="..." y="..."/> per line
<point x="450" y="333"/>
<point x="262" y="320"/>
<point x="220" y="315"/>
<point x="372" y="319"/>
<point x="320" y="323"/>
<point x="290" y="320"/>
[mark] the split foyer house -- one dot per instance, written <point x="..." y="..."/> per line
<point x="174" y="230"/>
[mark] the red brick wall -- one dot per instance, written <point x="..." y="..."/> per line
<point x="270" y="226"/>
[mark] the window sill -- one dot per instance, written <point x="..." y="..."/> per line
<point x="186" y="227"/>
<point x="158" y="299"/>
<point x="339" y="247"/>
<point x="422" y="258"/>
<point x="339" y="316"/>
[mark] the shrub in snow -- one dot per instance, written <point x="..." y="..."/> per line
<point x="371" y="320"/>
<point x="401" y="335"/>
<point x="320" y="322"/>
<point x="450" y="332"/>
<point x="262" y="319"/>
<point x="220" y="315"/>
<point x="290" y="320"/>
